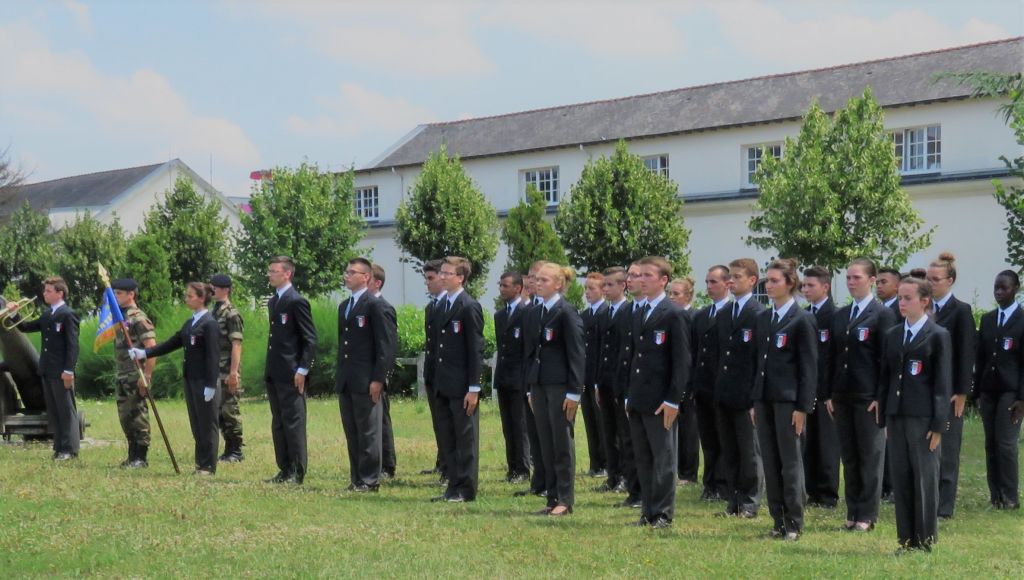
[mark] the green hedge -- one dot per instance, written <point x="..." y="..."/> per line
<point x="95" y="372"/>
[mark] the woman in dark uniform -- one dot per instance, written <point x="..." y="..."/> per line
<point x="913" y="403"/>
<point x="199" y="337"/>
<point x="858" y="330"/>
<point x="555" y="359"/>
<point x="1000" y="389"/>
<point x="784" y="393"/>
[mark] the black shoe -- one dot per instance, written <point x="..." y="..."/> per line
<point x="747" y="514"/>
<point x="621" y="487"/>
<point x="889" y="497"/>
<point x="430" y="471"/>
<point x="777" y="534"/>
<point x="660" y="523"/>
<point x="233" y="456"/>
<point x="363" y="488"/>
<point x="281" y="477"/>
<point x="605" y="488"/>
<point x="517" y="478"/>
<point x="384" y="475"/>
<point x="945" y="518"/>
<point x="643" y="521"/>
<point x="632" y="502"/>
<point x="725" y="514"/>
<point x="598" y="473"/>
<point x="64" y="456"/>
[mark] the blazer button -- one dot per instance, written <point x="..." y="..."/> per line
<point x="725" y="367"/>
<point x="762" y="373"/>
<point x="765" y="358"/>
<point x="897" y="393"/>
<point x="844" y="365"/>
<point x="900" y="377"/>
<point x="346" y="356"/>
<point x="637" y="371"/>
<point x="346" y="343"/>
<point x="726" y="353"/>
<point x="439" y="359"/>
<point x="271" y="347"/>
<point x="639" y="355"/>
<point x="442" y="331"/>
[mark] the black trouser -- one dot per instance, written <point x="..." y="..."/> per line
<point x="595" y="429"/>
<point x="435" y="412"/>
<point x="710" y="442"/>
<point x="915" y="481"/>
<point x="1001" y="443"/>
<point x="688" y="462"/>
<point x="539" y="479"/>
<point x="740" y="459"/>
<point x="288" y="427"/>
<point x="781" y="451"/>
<point x="61" y="415"/>
<point x="821" y="457"/>
<point x="949" y="466"/>
<point x="460" y="445"/>
<point x="203" y="418"/>
<point x="389" y="460"/>
<point x="362" y="420"/>
<point x="655" y="449"/>
<point x="886" y="472"/>
<point x="512" y="408"/>
<point x="862" y="443"/>
<point x="618" y="446"/>
<point x="557" y="446"/>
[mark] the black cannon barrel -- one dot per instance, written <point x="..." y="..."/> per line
<point x="21" y="361"/>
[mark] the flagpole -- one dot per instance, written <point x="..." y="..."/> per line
<point x="142" y="376"/>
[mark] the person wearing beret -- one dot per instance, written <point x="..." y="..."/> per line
<point x="229" y="319"/>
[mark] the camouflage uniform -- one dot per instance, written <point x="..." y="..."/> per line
<point x="231" y="327"/>
<point x="132" y="409"/>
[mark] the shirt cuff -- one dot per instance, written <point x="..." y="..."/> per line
<point x="573" y="397"/>
<point x="671" y="405"/>
<point x="474" y="388"/>
<point x="302" y="371"/>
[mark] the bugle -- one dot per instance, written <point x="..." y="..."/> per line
<point x="26" y="309"/>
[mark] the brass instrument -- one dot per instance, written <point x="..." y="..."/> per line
<point x="26" y="309"/>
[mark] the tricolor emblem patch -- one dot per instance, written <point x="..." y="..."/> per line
<point x="58" y="326"/>
<point x="1007" y="343"/>
<point x="916" y="367"/>
<point x="549" y="334"/>
<point x="284" y="318"/>
<point x="456" y="326"/>
<point x="748" y="335"/>
<point x="659" y="337"/>
<point x="515" y="332"/>
<point x="781" y="339"/>
<point x="360" y="321"/>
<point x="823" y="335"/>
<point x="863" y="333"/>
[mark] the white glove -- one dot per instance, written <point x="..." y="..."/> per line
<point x="137" y="353"/>
<point x="208" y="394"/>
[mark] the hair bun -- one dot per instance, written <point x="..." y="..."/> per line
<point x="947" y="257"/>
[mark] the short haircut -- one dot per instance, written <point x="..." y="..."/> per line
<point x="722" y="270"/>
<point x="432" y="266"/>
<point x="363" y="262"/>
<point x="748" y="265"/>
<point x="890" y="271"/>
<point x="820" y="273"/>
<point x="58" y="284"/>
<point x="618" y="272"/>
<point x="595" y="276"/>
<point x="286" y="262"/>
<point x="517" y="278"/>
<point x="867" y="264"/>
<point x="1013" y="276"/>
<point x="378" y="273"/>
<point x="462" y="266"/>
<point x="663" y="266"/>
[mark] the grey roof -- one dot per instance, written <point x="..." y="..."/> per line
<point x="80" y="191"/>
<point x="903" y="80"/>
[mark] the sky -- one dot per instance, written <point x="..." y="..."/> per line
<point x="234" y="86"/>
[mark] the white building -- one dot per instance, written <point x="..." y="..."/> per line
<point x="708" y="138"/>
<point x="126" y="193"/>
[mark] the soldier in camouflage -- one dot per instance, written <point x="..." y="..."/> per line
<point x="132" y="409"/>
<point x="231" y="327"/>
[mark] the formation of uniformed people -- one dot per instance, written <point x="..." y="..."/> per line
<point x="775" y="397"/>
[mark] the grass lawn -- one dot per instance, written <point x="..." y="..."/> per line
<point x="91" y="518"/>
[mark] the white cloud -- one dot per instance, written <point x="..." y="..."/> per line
<point x="763" y="31"/>
<point x="606" y="28"/>
<point x="423" y="39"/>
<point x="141" y="112"/>
<point x="80" y="12"/>
<point x="356" y="111"/>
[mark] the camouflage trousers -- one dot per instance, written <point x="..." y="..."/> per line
<point x="133" y="412"/>
<point x="230" y="418"/>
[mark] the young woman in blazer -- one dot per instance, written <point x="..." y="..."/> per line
<point x="857" y="333"/>
<point x="914" y="388"/>
<point x="554" y="380"/>
<point x="956" y="317"/>
<point x="199" y="337"/>
<point x="785" y="390"/>
<point x="999" y="377"/>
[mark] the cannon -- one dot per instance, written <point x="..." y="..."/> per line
<point x="22" y="404"/>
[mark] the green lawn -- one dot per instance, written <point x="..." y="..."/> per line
<point x="91" y="518"/>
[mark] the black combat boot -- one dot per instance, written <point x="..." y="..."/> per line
<point x="131" y="455"/>
<point x="140" y="457"/>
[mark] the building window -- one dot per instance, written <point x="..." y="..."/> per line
<point x="918" y="149"/>
<point x="657" y="164"/>
<point x="753" y="159"/>
<point x="760" y="293"/>
<point x="367" y="202"/>
<point x="545" y="180"/>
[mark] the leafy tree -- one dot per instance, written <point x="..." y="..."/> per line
<point x="26" y="251"/>
<point x="528" y="236"/>
<point x="447" y="215"/>
<point x="619" y="211"/>
<point x="80" y="246"/>
<point x="147" y="263"/>
<point x="305" y="214"/>
<point x="1009" y="87"/>
<point x="835" y="194"/>
<point x="192" y="231"/>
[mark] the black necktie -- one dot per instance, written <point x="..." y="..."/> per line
<point x="647" y="310"/>
<point x="855" y="313"/>
<point x="937" y="308"/>
<point x="508" y="309"/>
<point x="1002" y="318"/>
<point x="348" y="308"/>
<point x="814" y="309"/>
<point x="611" y="312"/>
<point x="544" y="312"/>
<point x="735" y="310"/>
<point x="433" y="304"/>
<point x="713" y="310"/>
<point x="448" y="306"/>
<point x="910" y="336"/>
<point x="775" y="318"/>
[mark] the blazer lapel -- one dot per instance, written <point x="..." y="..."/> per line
<point x="447" y="316"/>
<point x="785" y="319"/>
<point x="860" y="315"/>
<point x="656" y="314"/>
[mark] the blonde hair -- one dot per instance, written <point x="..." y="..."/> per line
<point x="561" y="273"/>
<point x="948" y="261"/>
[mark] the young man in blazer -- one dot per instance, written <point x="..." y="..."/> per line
<point x="531" y="332"/>
<point x="704" y="346"/>
<point x="366" y="355"/>
<point x="886" y="285"/>
<point x="821" y="449"/>
<point x="508" y="377"/>
<point x="612" y="380"/>
<point x="658" y="379"/>
<point x="58" y="325"/>
<point x="457" y="368"/>
<point x="291" y="346"/>
<point x="740" y="459"/>
<point x="389" y="459"/>
<point x="593" y="315"/>
<point x="437" y="293"/>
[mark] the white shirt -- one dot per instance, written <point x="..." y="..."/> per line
<point x="781" y="312"/>
<point x="196" y="316"/>
<point x="593" y="307"/>
<point x="940" y="304"/>
<point x="614" y="308"/>
<point x="54" y="307"/>
<point x="283" y="289"/>
<point x="888" y="303"/>
<point x="818" y="305"/>
<point x="913" y="329"/>
<point x="453" y="297"/>
<point x="862" y="305"/>
<point x="1006" y="313"/>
